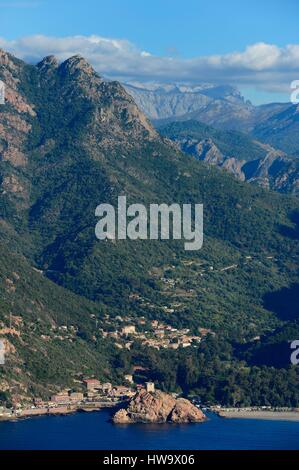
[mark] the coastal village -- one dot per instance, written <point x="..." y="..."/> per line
<point x="93" y="395"/>
<point x="153" y="329"/>
<point x="90" y="394"/>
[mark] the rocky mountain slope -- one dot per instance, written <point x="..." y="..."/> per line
<point x="70" y="141"/>
<point x="281" y="129"/>
<point x="247" y="159"/>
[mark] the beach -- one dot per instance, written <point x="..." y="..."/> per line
<point x="260" y="414"/>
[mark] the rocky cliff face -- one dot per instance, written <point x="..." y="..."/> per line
<point x="212" y="104"/>
<point x="15" y="116"/>
<point x="160" y="102"/>
<point x="98" y="106"/>
<point x="276" y="170"/>
<point x="158" y="407"/>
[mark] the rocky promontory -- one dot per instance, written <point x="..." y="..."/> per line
<point x="158" y="407"/>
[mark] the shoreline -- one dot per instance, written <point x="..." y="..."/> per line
<point x="57" y="411"/>
<point x="260" y="414"/>
<point x="290" y="414"/>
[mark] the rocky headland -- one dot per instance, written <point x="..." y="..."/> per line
<point x="158" y="407"/>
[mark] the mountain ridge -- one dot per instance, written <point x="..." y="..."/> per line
<point x="248" y="159"/>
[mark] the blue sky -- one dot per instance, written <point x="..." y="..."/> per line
<point x="188" y="29"/>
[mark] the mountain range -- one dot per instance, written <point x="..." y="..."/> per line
<point x="70" y="140"/>
<point x="212" y="104"/>
<point x="222" y="107"/>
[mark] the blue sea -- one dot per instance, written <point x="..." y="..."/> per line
<point x="94" y="431"/>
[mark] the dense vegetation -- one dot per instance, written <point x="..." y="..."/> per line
<point x="74" y="164"/>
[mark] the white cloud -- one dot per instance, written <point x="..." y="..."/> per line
<point x="265" y="66"/>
